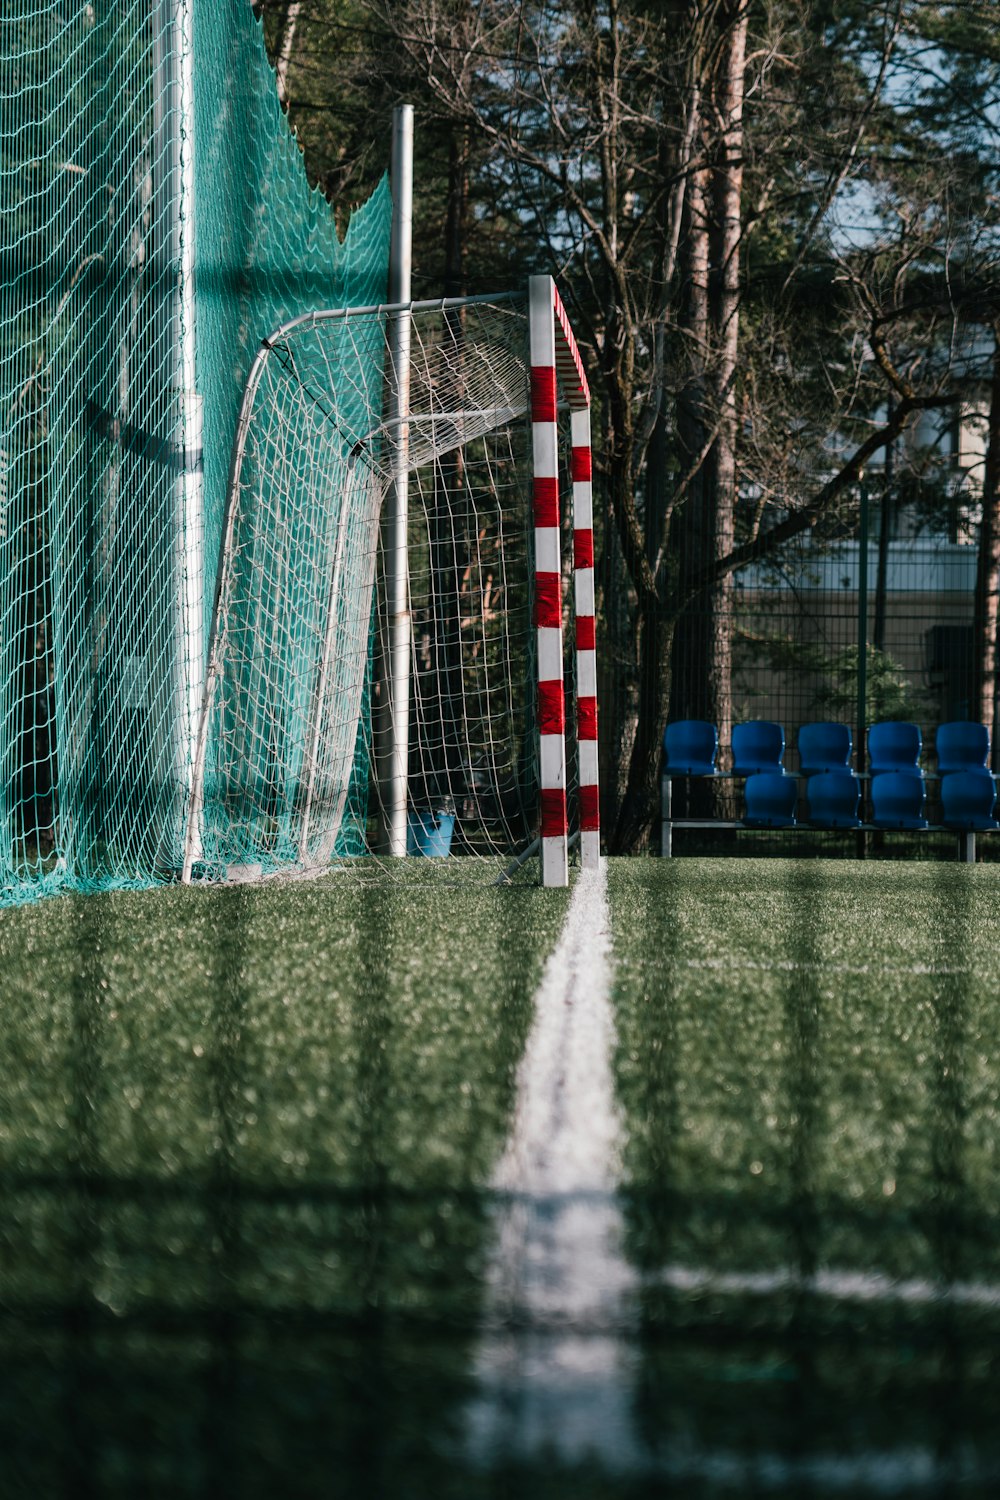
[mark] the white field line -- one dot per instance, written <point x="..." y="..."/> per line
<point x="554" y="1375"/>
<point x="793" y="965"/>
<point x="906" y="1471"/>
<point x="551" y="1363"/>
<point x="842" y="1286"/>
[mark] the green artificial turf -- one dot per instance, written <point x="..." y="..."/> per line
<point x="808" y="1065"/>
<point x="246" y="1138"/>
<point x="243" y="1141"/>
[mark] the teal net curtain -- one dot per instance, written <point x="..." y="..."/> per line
<point x="105" y="565"/>
<point x="264" y="257"/>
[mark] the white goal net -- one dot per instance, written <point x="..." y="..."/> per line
<point x="371" y="683"/>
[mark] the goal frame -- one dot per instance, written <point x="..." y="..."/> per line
<point x="556" y="369"/>
<point x="556" y="366"/>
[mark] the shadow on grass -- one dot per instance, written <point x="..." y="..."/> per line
<point x="205" y="1330"/>
<point x="796" y="1335"/>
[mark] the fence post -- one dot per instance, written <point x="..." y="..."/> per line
<point x="862" y="707"/>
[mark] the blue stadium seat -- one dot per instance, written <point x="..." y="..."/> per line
<point x="834" y="798"/>
<point x="824" y="747"/>
<point x="967" y="801"/>
<point x="894" y="746"/>
<point x="690" y="747"/>
<point x="758" y="745"/>
<point x="770" y="800"/>
<point x="898" y="800"/>
<point x="962" y="747"/>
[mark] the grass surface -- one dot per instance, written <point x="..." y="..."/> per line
<point x="808" y="1063"/>
<point x="245" y="1137"/>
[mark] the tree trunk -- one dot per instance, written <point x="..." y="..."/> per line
<point x="283" y="51"/>
<point x="707" y="417"/>
<point x="721" y="478"/>
<point x="692" y="519"/>
<point x="654" y="636"/>
<point x="988" y="571"/>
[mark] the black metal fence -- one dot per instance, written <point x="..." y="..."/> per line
<point x="872" y="623"/>
<point x="860" y="630"/>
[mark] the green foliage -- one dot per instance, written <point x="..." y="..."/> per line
<point x="348" y="65"/>
<point x="832" y="679"/>
<point x="890" y="691"/>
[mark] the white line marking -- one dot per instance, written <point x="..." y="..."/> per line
<point x="907" y="1470"/>
<point x="792" y="965"/>
<point x="551" y="1375"/>
<point x="844" y="1286"/>
<point x="555" y="1380"/>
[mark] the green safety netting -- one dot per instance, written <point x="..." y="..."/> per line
<point x="154" y="225"/>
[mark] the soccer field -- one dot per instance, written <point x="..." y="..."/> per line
<point x="253" y="1220"/>
<point x="808" y="1062"/>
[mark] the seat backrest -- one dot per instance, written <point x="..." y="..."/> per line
<point x="824" y="747"/>
<point x="770" y="799"/>
<point x="894" y="746"/>
<point x="968" y="799"/>
<point x="834" y="798"/>
<point x="758" y="745"/>
<point x="898" y="799"/>
<point x="962" y="746"/>
<point x="691" y="745"/>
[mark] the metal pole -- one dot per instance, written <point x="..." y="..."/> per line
<point x="862" y="710"/>
<point x="174" y="131"/>
<point x="862" y="623"/>
<point x="395" y="767"/>
<point x="193" y="541"/>
<point x="548" y="583"/>
<point x="882" y="570"/>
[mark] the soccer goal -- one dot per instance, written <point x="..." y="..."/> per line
<point x="388" y="649"/>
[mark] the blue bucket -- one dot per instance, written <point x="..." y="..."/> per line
<point x="429" y="833"/>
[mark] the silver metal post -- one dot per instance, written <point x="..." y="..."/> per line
<point x="174" y="190"/>
<point x="193" y="599"/>
<point x="394" y="771"/>
<point x="666" y="838"/>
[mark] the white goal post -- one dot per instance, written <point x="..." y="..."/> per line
<point x="300" y="683"/>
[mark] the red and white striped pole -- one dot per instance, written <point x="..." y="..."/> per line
<point x="573" y="384"/>
<point x="548" y="583"/>
<point x="586" y="640"/>
<point x="556" y="365"/>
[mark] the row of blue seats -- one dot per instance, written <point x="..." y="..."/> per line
<point x="691" y="746"/>
<point x="898" y="800"/>
<point x="833" y="791"/>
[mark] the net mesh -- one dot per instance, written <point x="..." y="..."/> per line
<point x="294" y="763"/>
<point x="119" y="195"/>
